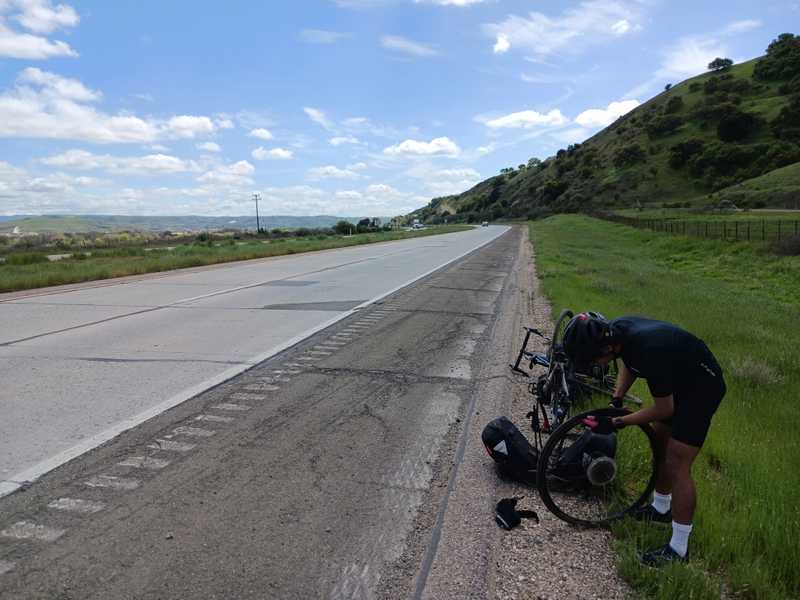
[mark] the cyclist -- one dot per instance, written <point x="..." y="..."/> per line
<point x="687" y="386"/>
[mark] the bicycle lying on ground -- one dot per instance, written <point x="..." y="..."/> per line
<point x="583" y="478"/>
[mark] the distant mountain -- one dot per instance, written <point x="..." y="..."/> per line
<point x="696" y="143"/>
<point x="106" y="223"/>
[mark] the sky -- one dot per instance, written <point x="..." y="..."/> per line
<point x="336" y="107"/>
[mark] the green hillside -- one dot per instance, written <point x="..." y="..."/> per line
<point x="702" y="140"/>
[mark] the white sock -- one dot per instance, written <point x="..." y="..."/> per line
<point x="680" y="537"/>
<point x="662" y="502"/>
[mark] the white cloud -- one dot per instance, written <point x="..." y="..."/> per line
<point x="591" y="21"/>
<point x="502" y="45"/>
<point x="347" y="139"/>
<point x="151" y="164"/>
<point x="318" y="36"/>
<point x="318" y="117"/>
<point x="743" y="26"/>
<point x="359" y="166"/>
<point x="401" y="44"/>
<point x="238" y="173"/>
<point x="527" y="119"/>
<point x="601" y="117"/>
<point x="47" y="105"/>
<point x="262" y="153"/>
<point x="331" y="172"/>
<point x="224" y="123"/>
<point x="209" y="147"/>
<point x="189" y="126"/>
<point x="261" y="133"/>
<point x="441" y="146"/>
<point x="40" y="17"/>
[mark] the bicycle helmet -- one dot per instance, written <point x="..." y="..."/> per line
<point x="585" y="337"/>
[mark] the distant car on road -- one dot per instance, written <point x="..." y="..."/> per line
<point x="485" y="224"/>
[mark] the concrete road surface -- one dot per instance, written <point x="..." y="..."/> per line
<point x="322" y="472"/>
<point x="76" y="368"/>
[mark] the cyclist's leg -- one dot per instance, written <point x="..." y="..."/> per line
<point x="678" y="466"/>
<point x="663" y="431"/>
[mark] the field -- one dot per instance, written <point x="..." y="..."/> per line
<point x="28" y="271"/>
<point x="745" y="305"/>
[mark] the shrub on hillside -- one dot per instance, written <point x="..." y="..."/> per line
<point x="736" y="126"/>
<point x="720" y="64"/>
<point x="663" y="126"/>
<point x="695" y="86"/>
<point x="782" y="61"/>
<point x="674" y="105"/>
<point x="629" y="155"/>
<point x="786" y="126"/>
<point x="680" y="153"/>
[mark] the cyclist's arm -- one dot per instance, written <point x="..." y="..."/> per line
<point x="625" y="379"/>
<point x="662" y="408"/>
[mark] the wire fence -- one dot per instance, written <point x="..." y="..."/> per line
<point x="734" y="230"/>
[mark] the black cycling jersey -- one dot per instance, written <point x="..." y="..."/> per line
<point x="668" y="357"/>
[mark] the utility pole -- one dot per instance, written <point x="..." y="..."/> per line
<point x="257" y="197"/>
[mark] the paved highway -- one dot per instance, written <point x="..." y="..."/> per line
<point x="348" y="466"/>
<point x="78" y="367"/>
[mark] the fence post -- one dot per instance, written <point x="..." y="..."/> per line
<point x="706" y="234"/>
<point x="763" y="230"/>
<point x="736" y="229"/>
<point x="779" y="230"/>
<point x="795" y="227"/>
<point x="725" y="230"/>
<point x="748" y="231"/>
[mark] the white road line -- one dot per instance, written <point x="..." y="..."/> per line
<point x="245" y="396"/>
<point x="213" y="419"/>
<point x="193" y="431"/>
<point x="232" y="407"/>
<point x="144" y="462"/>
<point x="171" y="446"/>
<point x="6" y="566"/>
<point x="114" y="483"/>
<point x="77" y="505"/>
<point x="25" y="530"/>
<point x="6" y="487"/>
<point x="319" y="353"/>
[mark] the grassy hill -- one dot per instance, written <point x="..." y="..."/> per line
<point x="711" y="137"/>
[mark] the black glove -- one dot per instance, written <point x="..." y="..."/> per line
<point x="616" y="402"/>
<point x="600" y="425"/>
<point x="507" y="516"/>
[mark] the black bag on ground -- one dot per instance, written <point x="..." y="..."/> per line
<point x="588" y="458"/>
<point x="511" y="450"/>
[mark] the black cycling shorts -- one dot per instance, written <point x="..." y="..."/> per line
<point x="694" y="408"/>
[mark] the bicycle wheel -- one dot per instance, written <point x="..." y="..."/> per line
<point x="556" y="342"/>
<point x="596" y="489"/>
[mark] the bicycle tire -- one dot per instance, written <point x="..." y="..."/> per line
<point x="568" y="506"/>
<point x="558" y="333"/>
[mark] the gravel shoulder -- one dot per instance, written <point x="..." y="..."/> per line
<point x="551" y="560"/>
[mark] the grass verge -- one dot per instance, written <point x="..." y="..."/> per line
<point x="745" y="305"/>
<point x="29" y="274"/>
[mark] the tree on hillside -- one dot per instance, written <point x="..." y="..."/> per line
<point x="668" y="87"/>
<point x="782" y="60"/>
<point x="736" y="126"/>
<point x="720" y="64"/>
<point x="786" y="125"/>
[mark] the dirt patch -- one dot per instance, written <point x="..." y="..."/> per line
<point x="550" y="560"/>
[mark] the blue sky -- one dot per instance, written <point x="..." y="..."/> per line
<point x="343" y="107"/>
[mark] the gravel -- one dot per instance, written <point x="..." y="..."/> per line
<point x="551" y="560"/>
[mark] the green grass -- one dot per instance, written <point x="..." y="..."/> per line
<point x="746" y="307"/>
<point x="22" y="274"/>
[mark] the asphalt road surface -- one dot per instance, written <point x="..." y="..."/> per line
<point x="323" y="472"/>
<point x="79" y="367"/>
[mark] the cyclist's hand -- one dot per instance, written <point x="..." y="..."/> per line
<point x="616" y="402"/>
<point x="600" y="425"/>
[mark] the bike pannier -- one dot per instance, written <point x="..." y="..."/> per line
<point x="511" y="450"/>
